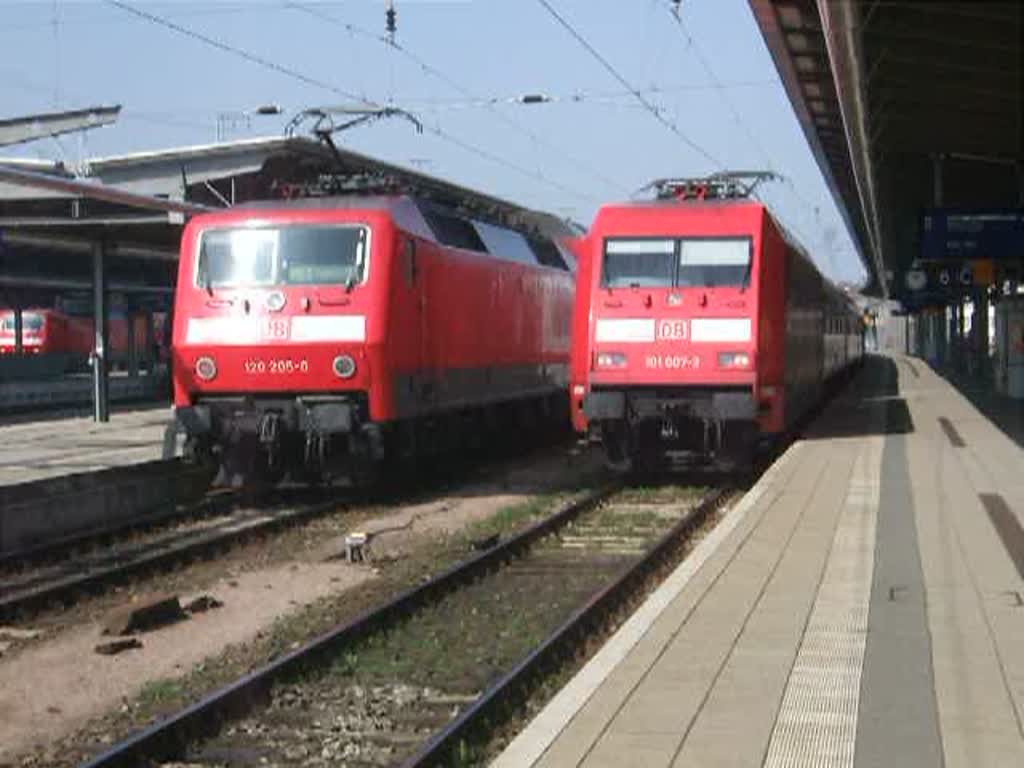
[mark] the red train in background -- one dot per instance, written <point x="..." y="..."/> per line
<point x="313" y="337"/>
<point x="701" y="328"/>
<point x="50" y="332"/>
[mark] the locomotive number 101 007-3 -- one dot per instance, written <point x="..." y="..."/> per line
<point x="276" y="366"/>
<point x="672" y="362"/>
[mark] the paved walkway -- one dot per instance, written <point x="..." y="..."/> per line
<point x="44" y="449"/>
<point x="863" y="605"/>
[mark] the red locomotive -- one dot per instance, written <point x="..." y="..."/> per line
<point x="312" y="337"/>
<point x="701" y="328"/>
<point x="51" y="332"/>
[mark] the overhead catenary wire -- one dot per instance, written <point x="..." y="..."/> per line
<point x="487" y="104"/>
<point x="315" y="82"/>
<point x="240" y="52"/>
<point x="637" y="93"/>
<point x="751" y="138"/>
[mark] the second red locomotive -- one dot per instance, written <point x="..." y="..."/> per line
<point x="311" y="337"/>
<point x="701" y="328"/>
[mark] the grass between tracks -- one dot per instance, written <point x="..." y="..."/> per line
<point x="162" y="697"/>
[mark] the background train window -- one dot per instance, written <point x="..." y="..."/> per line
<point x="454" y="231"/>
<point x="504" y="243"/>
<point x="547" y="253"/>
<point x="641" y="262"/>
<point x="30" y="322"/>
<point x="322" y="255"/>
<point x="711" y="263"/>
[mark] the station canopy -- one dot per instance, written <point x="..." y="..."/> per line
<point x="46" y="235"/>
<point x="908" y="107"/>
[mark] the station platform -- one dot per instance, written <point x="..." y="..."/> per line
<point x="48" y="447"/>
<point x="862" y="605"/>
<point x="76" y="390"/>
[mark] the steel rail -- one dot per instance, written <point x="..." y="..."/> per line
<point x="445" y="745"/>
<point x="64" y="590"/>
<point x="170" y="737"/>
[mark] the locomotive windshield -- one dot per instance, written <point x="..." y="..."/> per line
<point x="30" y="323"/>
<point x="290" y="255"/>
<point x="676" y="262"/>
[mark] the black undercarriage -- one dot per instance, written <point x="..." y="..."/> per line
<point x="654" y="428"/>
<point x="256" y="442"/>
<point x="304" y="438"/>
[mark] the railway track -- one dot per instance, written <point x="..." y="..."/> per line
<point x="422" y="679"/>
<point x="60" y="575"/>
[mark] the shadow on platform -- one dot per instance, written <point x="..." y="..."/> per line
<point x="1006" y="413"/>
<point x="868" y="404"/>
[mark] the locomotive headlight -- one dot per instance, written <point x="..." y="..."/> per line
<point x="275" y="301"/>
<point x="733" y="360"/>
<point x="206" y="368"/>
<point x="611" y="360"/>
<point x="344" y="367"/>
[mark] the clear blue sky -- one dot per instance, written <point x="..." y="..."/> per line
<point x="594" y="143"/>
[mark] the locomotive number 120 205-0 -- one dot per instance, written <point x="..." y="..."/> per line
<point x="276" y="365"/>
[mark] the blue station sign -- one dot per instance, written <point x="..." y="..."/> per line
<point x="961" y="235"/>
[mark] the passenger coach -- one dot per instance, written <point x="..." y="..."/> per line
<point x="701" y="327"/>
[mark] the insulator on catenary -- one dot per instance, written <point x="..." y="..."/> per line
<point x="391" y="19"/>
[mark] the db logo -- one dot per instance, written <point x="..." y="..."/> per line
<point x="671" y="330"/>
<point x="275" y="329"/>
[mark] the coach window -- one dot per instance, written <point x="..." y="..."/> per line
<point x="638" y="262"/>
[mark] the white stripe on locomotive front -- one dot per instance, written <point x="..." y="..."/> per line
<point x="329" y="328"/>
<point x="625" y="330"/>
<point x="238" y="331"/>
<point x="720" y="329"/>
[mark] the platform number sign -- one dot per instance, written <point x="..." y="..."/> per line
<point x="672" y="330"/>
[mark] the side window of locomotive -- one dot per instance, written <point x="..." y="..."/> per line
<point x="548" y="253"/>
<point x="638" y="262"/>
<point x="454" y="231"/>
<point x="323" y="255"/>
<point x="504" y="243"/>
<point x="714" y="263"/>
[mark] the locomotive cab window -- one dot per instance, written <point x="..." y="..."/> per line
<point x="676" y="262"/>
<point x="30" y="323"/>
<point x="640" y="263"/>
<point x="290" y="255"/>
<point x="713" y="263"/>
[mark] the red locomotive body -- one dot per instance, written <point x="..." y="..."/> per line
<point x="700" y="329"/>
<point x="313" y="336"/>
<point x="51" y="332"/>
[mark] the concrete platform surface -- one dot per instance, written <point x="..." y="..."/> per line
<point x="862" y="605"/>
<point x="49" y="448"/>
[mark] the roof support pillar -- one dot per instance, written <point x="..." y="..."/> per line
<point x="937" y="168"/>
<point x="100" y="391"/>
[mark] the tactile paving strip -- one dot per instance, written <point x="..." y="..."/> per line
<point x="817" y="722"/>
